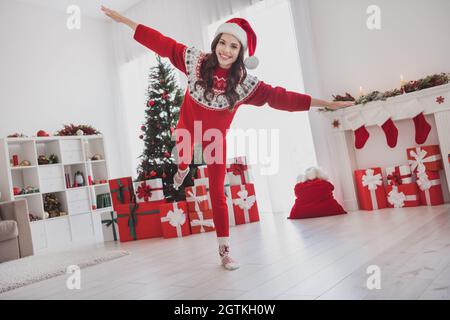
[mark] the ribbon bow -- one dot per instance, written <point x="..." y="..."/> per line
<point x="423" y="182"/>
<point x="395" y="178"/>
<point x="202" y="222"/>
<point x="144" y="191"/>
<point x="109" y="222"/>
<point x="370" y="180"/>
<point x="397" y="199"/>
<point x="176" y="218"/>
<point x="244" y="201"/>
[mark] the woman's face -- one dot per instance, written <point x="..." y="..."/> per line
<point x="227" y="50"/>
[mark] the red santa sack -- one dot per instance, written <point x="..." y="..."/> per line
<point x="315" y="199"/>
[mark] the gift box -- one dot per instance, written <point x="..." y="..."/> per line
<point x="238" y="172"/>
<point x="369" y="184"/>
<point x="402" y="195"/>
<point x="149" y="190"/>
<point x="109" y="226"/>
<point x="399" y="175"/>
<point x="201" y="221"/>
<point x="175" y="220"/>
<point x="197" y="198"/>
<point x="205" y="182"/>
<point x="202" y="172"/>
<point x="426" y="158"/>
<point x="245" y="206"/>
<point x="139" y="221"/>
<point x="430" y="189"/>
<point x="121" y="191"/>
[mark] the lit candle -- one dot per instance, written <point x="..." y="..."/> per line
<point x="361" y="91"/>
<point x="402" y="83"/>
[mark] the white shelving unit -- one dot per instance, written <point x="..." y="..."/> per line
<point x="82" y="222"/>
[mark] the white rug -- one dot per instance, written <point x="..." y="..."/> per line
<point x="21" y="272"/>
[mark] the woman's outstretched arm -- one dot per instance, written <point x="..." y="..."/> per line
<point x="117" y="17"/>
<point x="153" y="39"/>
<point x="281" y="99"/>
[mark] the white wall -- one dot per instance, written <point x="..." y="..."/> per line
<point x="52" y="76"/>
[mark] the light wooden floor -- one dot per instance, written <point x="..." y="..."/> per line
<point x="323" y="258"/>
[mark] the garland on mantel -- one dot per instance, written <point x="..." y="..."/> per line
<point x="417" y="85"/>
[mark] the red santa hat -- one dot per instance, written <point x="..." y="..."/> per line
<point x="241" y="29"/>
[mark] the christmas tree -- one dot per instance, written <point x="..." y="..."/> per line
<point x="164" y="99"/>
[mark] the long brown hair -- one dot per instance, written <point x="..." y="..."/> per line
<point x="237" y="74"/>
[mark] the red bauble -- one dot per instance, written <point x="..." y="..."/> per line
<point x="143" y="128"/>
<point x="17" y="191"/>
<point x="42" y="133"/>
<point x="151" y="103"/>
<point x="167" y="154"/>
<point x="153" y="173"/>
<point x="165" y="96"/>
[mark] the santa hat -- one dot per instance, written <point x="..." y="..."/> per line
<point x="241" y="29"/>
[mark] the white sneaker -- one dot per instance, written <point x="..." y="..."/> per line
<point x="178" y="178"/>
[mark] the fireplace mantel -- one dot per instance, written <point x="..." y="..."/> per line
<point x="434" y="102"/>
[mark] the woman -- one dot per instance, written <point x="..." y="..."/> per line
<point x="218" y="84"/>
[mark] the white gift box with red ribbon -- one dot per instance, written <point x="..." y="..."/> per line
<point x="238" y="171"/>
<point x="149" y="190"/>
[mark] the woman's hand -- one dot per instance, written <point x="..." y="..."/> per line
<point x="335" y="105"/>
<point x="117" y="17"/>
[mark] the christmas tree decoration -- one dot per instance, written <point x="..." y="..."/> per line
<point x="164" y="98"/>
<point x="17" y="135"/>
<point x="74" y="130"/>
<point x="336" y="123"/>
<point x="52" y="205"/>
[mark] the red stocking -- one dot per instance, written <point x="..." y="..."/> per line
<point x="423" y="128"/>
<point x="361" y="137"/>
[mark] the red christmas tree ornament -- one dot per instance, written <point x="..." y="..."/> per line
<point x="153" y="173"/>
<point x="151" y="103"/>
<point x="143" y="128"/>
<point x="167" y="154"/>
<point x="165" y="96"/>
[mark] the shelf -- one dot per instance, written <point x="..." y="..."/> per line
<point x="100" y="185"/>
<point x="49" y="165"/>
<point x="27" y="195"/>
<point x="101" y="210"/>
<point x="23" y="167"/>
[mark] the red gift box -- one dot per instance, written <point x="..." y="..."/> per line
<point x="139" y="221"/>
<point x="121" y="191"/>
<point x="202" y="172"/>
<point x="369" y="184"/>
<point x="175" y="220"/>
<point x="399" y="175"/>
<point x="402" y="195"/>
<point x="245" y="206"/>
<point x="197" y="198"/>
<point x="201" y="221"/>
<point x="430" y="188"/>
<point x="426" y="158"/>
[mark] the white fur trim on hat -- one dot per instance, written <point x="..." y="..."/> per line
<point x="251" y="62"/>
<point x="235" y="30"/>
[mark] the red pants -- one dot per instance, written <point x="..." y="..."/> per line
<point x="216" y="173"/>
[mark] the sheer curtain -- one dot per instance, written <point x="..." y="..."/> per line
<point x="279" y="66"/>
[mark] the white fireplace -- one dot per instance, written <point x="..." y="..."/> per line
<point x="376" y="152"/>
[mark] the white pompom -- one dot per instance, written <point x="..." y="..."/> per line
<point x="251" y="62"/>
<point x="315" y="173"/>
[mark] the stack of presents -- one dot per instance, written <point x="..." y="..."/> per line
<point x="412" y="185"/>
<point x="141" y="210"/>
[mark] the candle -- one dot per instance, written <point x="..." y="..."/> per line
<point x="361" y="91"/>
<point x="402" y="83"/>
